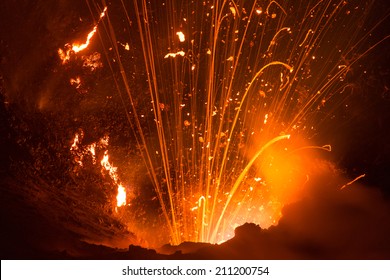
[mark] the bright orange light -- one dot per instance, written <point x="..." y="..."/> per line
<point x="181" y="53"/>
<point x="79" y="152"/>
<point x="75" y="48"/>
<point x="112" y="171"/>
<point x="181" y="35"/>
<point x="121" y="196"/>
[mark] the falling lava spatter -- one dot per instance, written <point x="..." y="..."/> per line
<point x="232" y="89"/>
<point x="70" y="49"/>
<point x="79" y="153"/>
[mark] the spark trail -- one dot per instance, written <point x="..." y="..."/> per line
<point x="231" y="88"/>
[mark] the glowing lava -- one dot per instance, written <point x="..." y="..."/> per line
<point x="121" y="196"/>
<point x="80" y="152"/>
<point x="69" y="49"/>
<point x="228" y="105"/>
<point x="112" y="171"/>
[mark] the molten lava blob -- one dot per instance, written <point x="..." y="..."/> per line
<point x="121" y="196"/>
<point x="65" y="54"/>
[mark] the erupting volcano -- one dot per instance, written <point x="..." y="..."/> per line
<point x="154" y="122"/>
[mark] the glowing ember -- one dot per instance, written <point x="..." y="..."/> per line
<point x="181" y="35"/>
<point x="112" y="171"/>
<point x="181" y="53"/>
<point x="75" y="48"/>
<point x="109" y="167"/>
<point x="353" y="181"/>
<point x="76" y="82"/>
<point x="215" y="133"/>
<point x="79" y="152"/>
<point x="92" y="61"/>
<point x="121" y="196"/>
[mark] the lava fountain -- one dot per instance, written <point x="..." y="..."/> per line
<point x="231" y="93"/>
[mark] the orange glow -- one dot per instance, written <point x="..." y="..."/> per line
<point x="79" y="152"/>
<point x="121" y="196"/>
<point x="76" y="141"/>
<point x="68" y="50"/>
<point x="78" y="48"/>
<point x="181" y="53"/>
<point x="353" y="181"/>
<point x="76" y="82"/>
<point x="216" y="143"/>
<point x="109" y="167"/>
<point x="181" y="35"/>
<point x="112" y="171"/>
